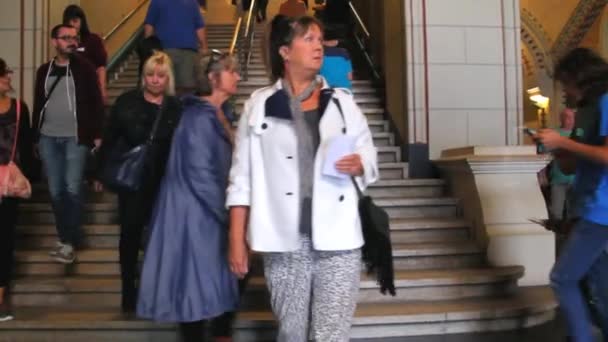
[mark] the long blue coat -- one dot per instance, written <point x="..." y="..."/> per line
<point x="185" y="276"/>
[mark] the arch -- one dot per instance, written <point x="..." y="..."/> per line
<point x="537" y="43"/>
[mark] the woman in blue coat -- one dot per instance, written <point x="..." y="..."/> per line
<point x="185" y="276"/>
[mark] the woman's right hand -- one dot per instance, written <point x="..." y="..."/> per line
<point x="238" y="257"/>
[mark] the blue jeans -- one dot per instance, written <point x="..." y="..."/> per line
<point x="597" y="285"/>
<point x="64" y="162"/>
<point x="579" y="254"/>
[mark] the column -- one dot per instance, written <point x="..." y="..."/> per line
<point x="464" y="73"/>
<point x="499" y="194"/>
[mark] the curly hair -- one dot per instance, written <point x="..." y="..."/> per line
<point x="586" y="70"/>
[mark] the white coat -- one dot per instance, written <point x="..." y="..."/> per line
<point x="265" y="175"/>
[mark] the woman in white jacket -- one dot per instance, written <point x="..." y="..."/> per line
<point x="282" y="204"/>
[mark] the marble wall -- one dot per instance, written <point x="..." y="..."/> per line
<point x="465" y="79"/>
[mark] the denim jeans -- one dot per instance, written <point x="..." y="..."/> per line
<point x="64" y="162"/>
<point x="583" y="248"/>
<point x="597" y="287"/>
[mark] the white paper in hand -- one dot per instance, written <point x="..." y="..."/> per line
<point x="338" y="147"/>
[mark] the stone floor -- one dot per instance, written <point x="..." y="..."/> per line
<point x="553" y="331"/>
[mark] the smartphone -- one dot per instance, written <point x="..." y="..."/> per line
<point x="529" y="131"/>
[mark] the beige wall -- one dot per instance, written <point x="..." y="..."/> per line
<point x="24" y="30"/>
<point x="393" y="49"/>
<point x="104" y="15"/>
<point x="385" y="21"/>
<point x="467" y="78"/>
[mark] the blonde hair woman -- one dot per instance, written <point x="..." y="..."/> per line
<point x="131" y="121"/>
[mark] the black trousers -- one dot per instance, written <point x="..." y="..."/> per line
<point x="262" y="9"/>
<point x="8" y="223"/>
<point x="135" y="209"/>
<point x="221" y="326"/>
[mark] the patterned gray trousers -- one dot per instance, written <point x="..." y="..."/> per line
<point x="313" y="293"/>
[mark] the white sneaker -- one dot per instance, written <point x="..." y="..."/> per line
<point x="65" y="255"/>
<point x="55" y="251"/>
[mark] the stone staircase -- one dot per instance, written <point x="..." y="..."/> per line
<point x="444" y="284"/>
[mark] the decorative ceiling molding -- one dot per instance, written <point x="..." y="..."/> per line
<point x="574" y="31"/>
<point x="529" y="67"/>
<point x="537" y="43"/>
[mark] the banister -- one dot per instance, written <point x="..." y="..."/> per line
<point x="363" y="27"/>
<point x="125" y="19"/>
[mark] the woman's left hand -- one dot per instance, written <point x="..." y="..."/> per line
<point x="351" y="165"/>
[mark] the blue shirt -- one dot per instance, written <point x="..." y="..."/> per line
<point x="175" y="22"/>
<point x="590" y="189"/>
<point x="336" y="67"/>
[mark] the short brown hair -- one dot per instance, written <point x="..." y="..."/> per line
<point x="283" y="30"/>
<point x="4" y="69"/>
<point x="214" y="62"/>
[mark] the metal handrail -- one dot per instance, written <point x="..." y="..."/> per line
<point x="247" y="41"/>
<point x="363" y="27"/>
<point x="235" y="36"/>
<point x="125" y="19"/>
<point x="251" y="7"/>
<point x="361" y="43"/>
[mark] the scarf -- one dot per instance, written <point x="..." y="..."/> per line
<point x="295" y="101"/>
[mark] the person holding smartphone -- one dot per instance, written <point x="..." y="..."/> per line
<point x="584" y="76"/>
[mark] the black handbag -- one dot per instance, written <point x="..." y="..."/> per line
<point x="124" y="166"/>
<point x="377" y="251"/>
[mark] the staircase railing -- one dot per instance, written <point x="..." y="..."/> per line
<point x="121" y="54"/>
<point x="362" y="37"/>
<point x="242" y="40"/>
<point x="235" y="35"/>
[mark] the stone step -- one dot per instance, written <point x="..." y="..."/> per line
<point x="382" y="188"/>
<point x="415" y="285"/>
<point x="396" y="170"/>
<point x="388" y="154"/>
<point x="40" y="194"/>
<point x="407" y="188"/>
<point x="424" y="230"/>
<point x="384" y="139"/>
<point x="437" y="255"/>
<point x="435" y="207"/>
<point x="104" y="262"/>
<point x="107" y="236"/>
<point x="526" y="308"/>
<point x="41" y="213"/>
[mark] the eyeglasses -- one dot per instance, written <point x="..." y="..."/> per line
<point x="216" y="56"/>
<point x="68" y="38"/>
<point x="6" y="72"/>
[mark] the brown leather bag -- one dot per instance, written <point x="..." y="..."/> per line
<point x="12" y="181"/>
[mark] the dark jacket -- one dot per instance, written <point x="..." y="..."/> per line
<point x="94" y="51"/>
<point x="131" y="122"/>
<point x="89" y="105"/>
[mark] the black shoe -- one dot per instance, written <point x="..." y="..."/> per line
<point x="129" y="301"/>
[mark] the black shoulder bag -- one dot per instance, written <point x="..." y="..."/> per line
<point x="123" y="166"/>
<point x="377" y="252"/>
